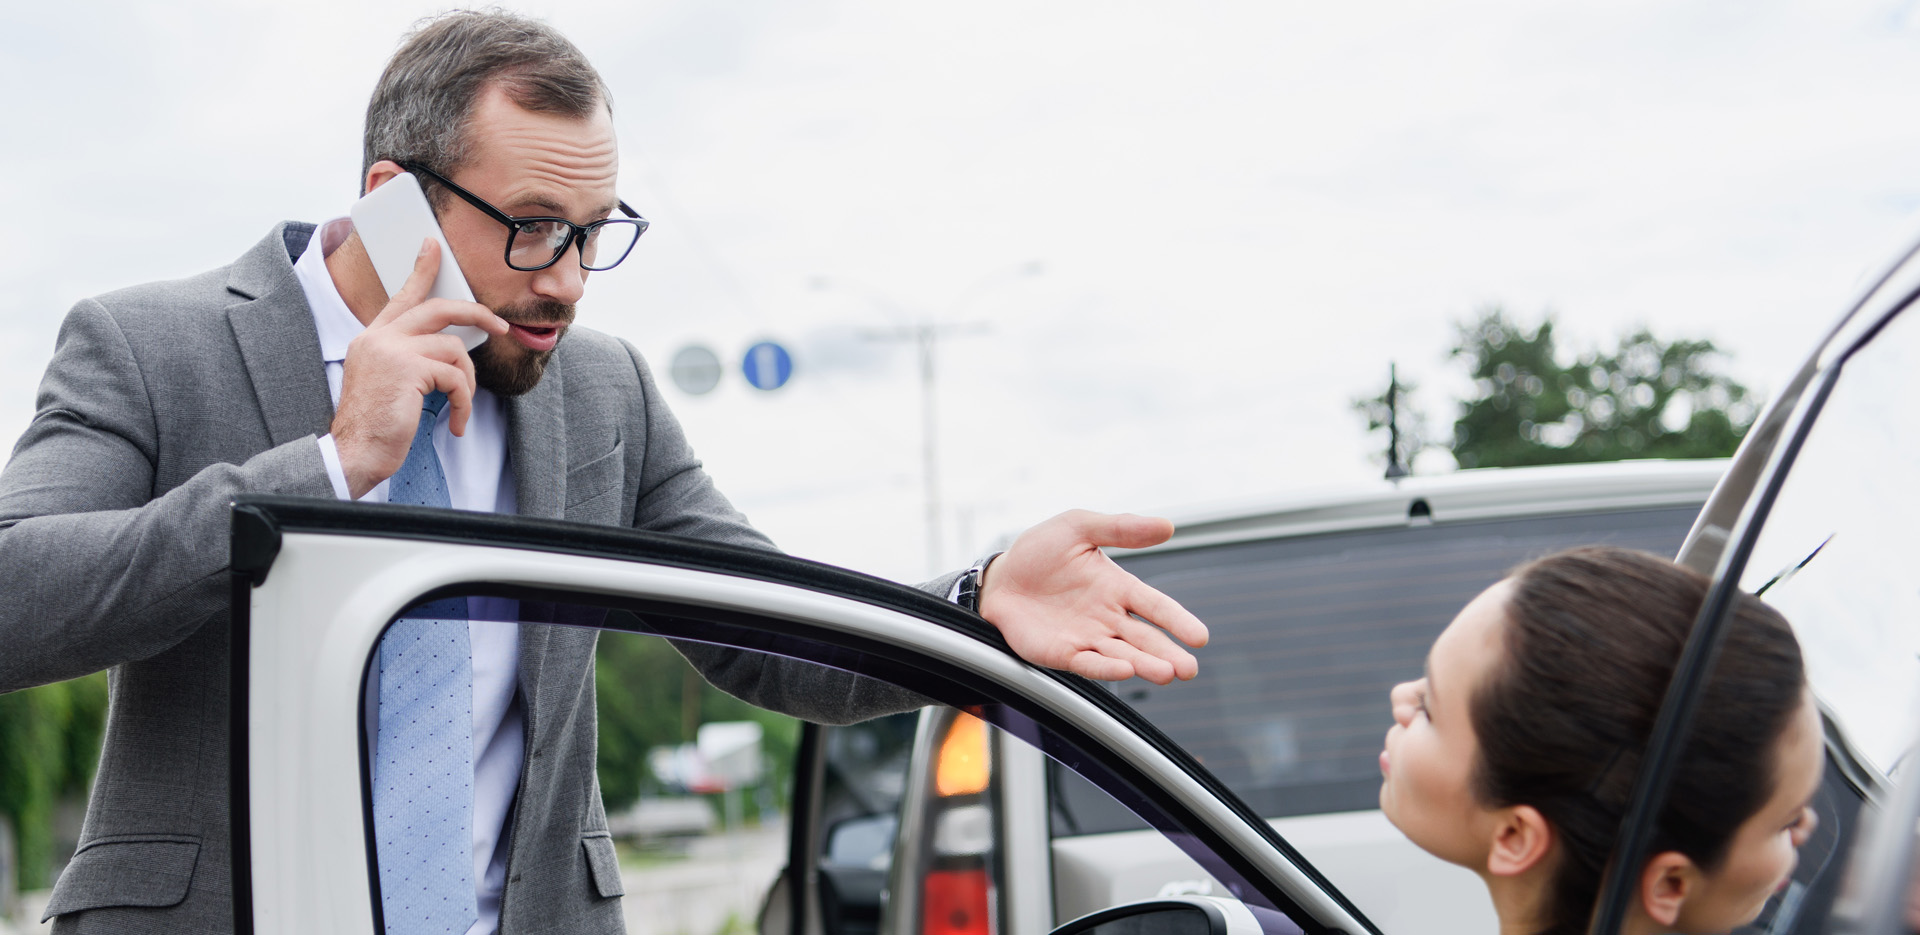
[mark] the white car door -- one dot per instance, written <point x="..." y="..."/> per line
<point x="316" y="584"/>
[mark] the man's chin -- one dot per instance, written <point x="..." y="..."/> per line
<point x="504" y="368"/>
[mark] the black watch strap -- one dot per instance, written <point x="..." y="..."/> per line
<point x="969" y="594"/>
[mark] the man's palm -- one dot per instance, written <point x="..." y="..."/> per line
<point x="1061" y="602"/>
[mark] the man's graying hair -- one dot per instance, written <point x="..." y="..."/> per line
<point x="422" y="105"/>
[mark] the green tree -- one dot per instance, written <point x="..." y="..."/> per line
<point x="637" y="680"/>
<point x="49" y="747"/>
<point x="1393" y="412"/>
<point x="1646" y="398"/>
<point x="1535" y="404"/>
<point x="650" y="696"/>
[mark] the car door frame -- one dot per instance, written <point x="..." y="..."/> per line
<point x="317" y="582"/>
<point x="1720" y="545"/>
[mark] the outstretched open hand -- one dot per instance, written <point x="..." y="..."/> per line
<point x="1060" y="602"/>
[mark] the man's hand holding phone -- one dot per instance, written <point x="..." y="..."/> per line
<point x="393" y="365"/>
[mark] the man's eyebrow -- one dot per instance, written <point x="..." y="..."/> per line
<point x="544" y="203"/>
<point x="552" y="206"/>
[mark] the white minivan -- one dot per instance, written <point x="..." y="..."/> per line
<point x="1317" y="604"/>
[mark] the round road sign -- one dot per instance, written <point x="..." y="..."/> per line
<point x="695" y="370"/>
<point x="767" y="366"/>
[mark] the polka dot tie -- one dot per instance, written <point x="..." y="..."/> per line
<point x="423" y="764"/>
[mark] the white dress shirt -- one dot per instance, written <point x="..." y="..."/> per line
<point x="477" y="479"/>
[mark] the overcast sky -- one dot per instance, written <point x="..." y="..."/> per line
<point x="1242" y="212"/>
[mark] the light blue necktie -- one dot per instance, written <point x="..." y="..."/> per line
<point x="423" y="766"/>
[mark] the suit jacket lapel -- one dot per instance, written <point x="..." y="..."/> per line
<point x="536" y="447"/>
<point x="536" y="453"/>
<point x="533" y="657"/>
<point x="274" y="328"/>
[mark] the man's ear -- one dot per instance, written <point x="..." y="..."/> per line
<point x="379" y="173"/>
<point x="1522" y="839"/>
<point x="1665" y="884"/>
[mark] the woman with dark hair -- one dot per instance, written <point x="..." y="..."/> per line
<point x="1515" y="755"/>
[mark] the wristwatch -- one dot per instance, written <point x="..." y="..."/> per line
<point x="967" y="594"/>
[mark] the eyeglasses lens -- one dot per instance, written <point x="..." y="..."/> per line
<point x="537" y="243"/>
<point x="608" y="243"/>
<point x="540" y="243"/>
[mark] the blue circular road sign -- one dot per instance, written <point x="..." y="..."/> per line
<point x="767" y="366"/>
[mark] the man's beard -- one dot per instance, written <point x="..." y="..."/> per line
<point x="505" y="367"/>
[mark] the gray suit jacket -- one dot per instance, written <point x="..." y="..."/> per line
<point x="163" y="402"/>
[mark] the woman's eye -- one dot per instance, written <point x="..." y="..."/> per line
<point x="1802" y="827"/>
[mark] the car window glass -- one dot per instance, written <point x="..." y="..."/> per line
<point x="1803" y="904"/>
<point x="1836" y="557"/>
<point x="865" y="773"/>
<point x="716" y="877"/>
<point x="1830" y="557"/>
<point x="1309" y="633"/>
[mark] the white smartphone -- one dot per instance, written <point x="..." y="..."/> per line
<point x="392" y="221"/>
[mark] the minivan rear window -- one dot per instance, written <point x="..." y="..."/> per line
<point x="1309" y="633"/>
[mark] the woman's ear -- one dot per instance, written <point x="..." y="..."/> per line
<point x="1522" y="839"/>
<point x="1665" y="884"/>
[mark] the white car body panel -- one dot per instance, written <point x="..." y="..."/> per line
<point x="1402" y="888"/>
<point x="1462" y="496"/>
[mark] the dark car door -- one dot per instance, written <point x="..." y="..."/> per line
<point x="1818" y="518"/>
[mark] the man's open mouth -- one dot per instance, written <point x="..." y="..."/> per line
<point x="535" y="337"/>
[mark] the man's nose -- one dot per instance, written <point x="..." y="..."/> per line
<point x="563" y="282"/>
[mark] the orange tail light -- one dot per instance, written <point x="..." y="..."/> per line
<point x="963" y="767"/>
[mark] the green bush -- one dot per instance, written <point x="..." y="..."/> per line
<point x="49" y="747"/>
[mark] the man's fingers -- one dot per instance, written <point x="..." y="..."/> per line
<point x="1120" y="530"/>
<point x="458" y="385"/>
<point x="447" y="350"/>
<point x="436" y="345"/>
<point x="1167" y="614"/>
<point x="457" y="421"/>
<point x="1096" y="666"/>
<point x="435" y="315"/>
<point x="419" y="282"/>
<point x="1156" y="643"/>
<point x="1145" y="664"/>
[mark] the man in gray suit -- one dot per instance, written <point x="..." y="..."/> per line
<point x="292" y="371"/>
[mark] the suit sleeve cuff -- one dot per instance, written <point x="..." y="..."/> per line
<point x="330" y="454"/>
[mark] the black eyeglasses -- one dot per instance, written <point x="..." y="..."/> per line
<point x="537" y="243"/>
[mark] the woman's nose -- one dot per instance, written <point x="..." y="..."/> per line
<point x="1402" y="699"/>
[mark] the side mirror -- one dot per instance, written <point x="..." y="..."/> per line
<point x="866" y="841"/>
<point x="1156" y="917"/>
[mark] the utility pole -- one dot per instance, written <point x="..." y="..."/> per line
<point x="926" y="339"/>
<point x="1395" y="470"/>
